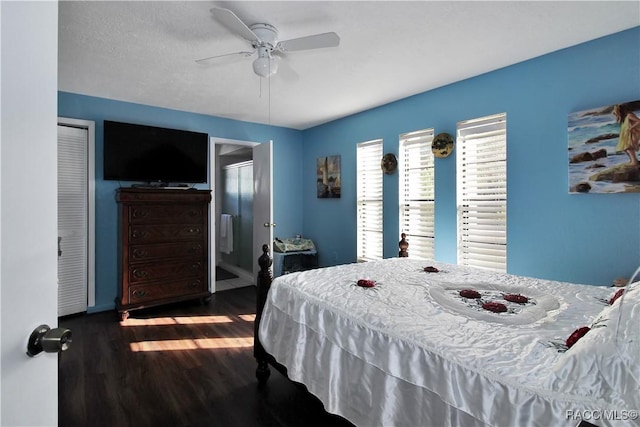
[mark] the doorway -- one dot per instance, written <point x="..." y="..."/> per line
<point x="232" y="195"/>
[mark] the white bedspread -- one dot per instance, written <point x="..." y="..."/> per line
<point x="410" y="351"/>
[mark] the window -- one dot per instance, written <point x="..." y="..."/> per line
<point x="481" y="162"/>
<point x="416" y="192"/>
<point x="369" y="195"/>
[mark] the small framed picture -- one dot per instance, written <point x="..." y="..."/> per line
<point x="328" y="182"/>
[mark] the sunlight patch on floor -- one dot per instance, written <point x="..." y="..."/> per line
<point x="192" y="344"/>
<point x="176" y="320"/>
<point x="247" y="317"/>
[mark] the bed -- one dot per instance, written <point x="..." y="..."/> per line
<point x="409" y="347"/>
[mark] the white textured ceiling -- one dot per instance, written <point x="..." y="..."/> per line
<point x="144" y="52"/>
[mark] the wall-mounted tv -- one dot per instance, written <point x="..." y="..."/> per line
<point x="134" y="152"/>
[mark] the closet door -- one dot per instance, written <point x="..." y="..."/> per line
<point x="72" y="219"/>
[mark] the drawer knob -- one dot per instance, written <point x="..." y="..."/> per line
<point x="140" y="213"/>
<point x="140" y="274"/>
<point x="138" y="234"/>
<point x="140" y="253"/>
<point x="139" y="294"/>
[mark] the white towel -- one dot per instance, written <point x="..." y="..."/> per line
<point x="226" y="233"/>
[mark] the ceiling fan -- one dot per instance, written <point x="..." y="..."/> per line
<point x="264" y="41"/>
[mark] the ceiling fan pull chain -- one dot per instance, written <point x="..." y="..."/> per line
<point x="269" y="88"/>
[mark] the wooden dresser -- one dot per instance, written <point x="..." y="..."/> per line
<point x="163" y="249"/>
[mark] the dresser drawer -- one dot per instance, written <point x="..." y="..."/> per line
<point x="180" y="288"/>
<point x="165" y="214"/>
<point x="139" y="196"/>
<point x="159" y="251"/>
<point x="166" y="271"/>
<point x="157" y="233"/>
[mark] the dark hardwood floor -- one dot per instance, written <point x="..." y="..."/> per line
<point x="184" y="364"/>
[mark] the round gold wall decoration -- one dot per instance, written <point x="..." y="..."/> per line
<point x="442" y="145"/>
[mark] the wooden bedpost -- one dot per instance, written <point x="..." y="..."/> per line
<point x="264" y="283"/>
<point x="403" y="246"/>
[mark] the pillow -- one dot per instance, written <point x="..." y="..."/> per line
<point x="605" y="362"/>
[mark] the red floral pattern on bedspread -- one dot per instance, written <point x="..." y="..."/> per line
<point x="517" y="298"/>
<point x="366" y="283"/>
<point x="494" y="300"/>
<point x="496" y="307"/>
<point x="576" y="335"/>
<point x="616" y="296"/>
<point x="470" y="293"/>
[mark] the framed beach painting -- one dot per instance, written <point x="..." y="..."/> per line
<point x="603" y="149"/>
<point x="328" y="182"/>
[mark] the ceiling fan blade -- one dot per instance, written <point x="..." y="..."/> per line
<point x="235" y="24"/>
<point x="310" y="42"/>
<point x="243" y="53"/>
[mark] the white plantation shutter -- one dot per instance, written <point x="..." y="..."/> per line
<point x="416" y="192"/>
<point x="369" y="196"/>
<point x="482" y="192"/>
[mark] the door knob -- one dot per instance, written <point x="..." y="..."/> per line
<point x="43" y="338"/>
<point x="269" y="224"/>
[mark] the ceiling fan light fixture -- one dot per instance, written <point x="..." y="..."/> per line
<point x="265" y="66"/>
<point x="263" y="38"/>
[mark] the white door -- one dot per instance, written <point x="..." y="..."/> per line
<point x="262" y="201"/>
<point x="28" y="209"/>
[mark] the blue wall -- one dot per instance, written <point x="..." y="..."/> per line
<point x="582" y="238"/>
<point x="287" y="151"/>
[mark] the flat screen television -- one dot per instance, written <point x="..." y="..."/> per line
<point x="155" y="155"/>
